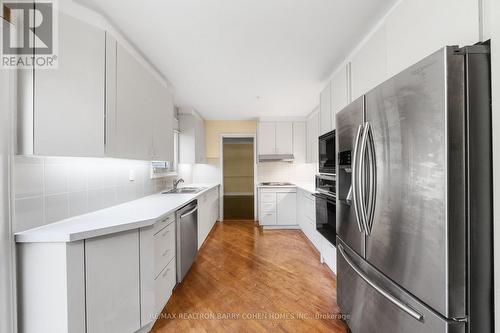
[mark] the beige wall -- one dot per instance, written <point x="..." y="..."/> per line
<point x="238" y="168"/>
<point x="214" y="128"/>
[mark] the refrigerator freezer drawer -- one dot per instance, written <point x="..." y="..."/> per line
<point x="374" y="304"/>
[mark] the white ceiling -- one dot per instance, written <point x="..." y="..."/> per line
<point x="241" y="59"/>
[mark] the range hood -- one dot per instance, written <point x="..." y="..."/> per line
<point x="276" y="157"/>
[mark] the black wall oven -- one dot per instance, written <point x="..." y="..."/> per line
<point x="326" y="207"/>
<point x="327" y="153"/>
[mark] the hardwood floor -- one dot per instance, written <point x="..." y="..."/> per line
<point x="249" y="280"/>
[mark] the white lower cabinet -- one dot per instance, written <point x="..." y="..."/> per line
<point x="329" y="254"/>
<point x="164" y="240"/>
<point x="164" y="284"/>
<point x="164" y="245"/>
<point x="307" y="206"/>
<point x="306" y="213"/>
<point x="277" y="206"/>
<point x="117" y="283"/>
<point x="112" y="283"/>
<point x="208" y="213"/>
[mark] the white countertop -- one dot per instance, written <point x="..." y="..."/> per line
<point x="130" y="215"/>
<point x="306" y="186"/>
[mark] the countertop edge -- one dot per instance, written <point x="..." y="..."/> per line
<point x="39" y="235"/>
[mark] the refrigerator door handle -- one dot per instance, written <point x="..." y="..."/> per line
<point x="372" y="180"/>
<point x="354" y="179"/>
<point x="383" y="292"/>
<point x="361" y="175"/>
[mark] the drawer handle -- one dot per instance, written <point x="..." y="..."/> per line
<point x="164" y="275"/>
<point x="165" y="233"/>
<point x="165" y="253"/>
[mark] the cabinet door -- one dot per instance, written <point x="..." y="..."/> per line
<point x="312" y="138"/>
<point x="286" y="205"/>
<point x="203" y="218"/>
<point x="112" y="283"/>
<point x="284" y="138"/>
<point x="369" y="65"/>
<point x="69" y="101"/>
<point x="267" y="138"/>
<point x="163" y="116"/>
<point x="200" y="140"/>
<point x="414" y="31"/>
<point x="340" y="92"/>
<point x="130" y="123"/>
<point x="325" y="110"/>
<point x="299" y="142"/>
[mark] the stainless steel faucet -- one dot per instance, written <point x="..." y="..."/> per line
<point x="177" y="181"/>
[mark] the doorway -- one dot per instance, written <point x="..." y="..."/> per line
<point x="238" y="177"/>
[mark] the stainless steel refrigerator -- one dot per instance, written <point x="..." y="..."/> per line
<point x="414" y="207"/>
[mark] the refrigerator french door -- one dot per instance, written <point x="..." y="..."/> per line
<point x="414" y="219"/>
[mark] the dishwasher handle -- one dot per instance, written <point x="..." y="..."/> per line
<point x="190" y="212"/>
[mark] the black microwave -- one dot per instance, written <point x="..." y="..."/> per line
<point x="327" y="157"/>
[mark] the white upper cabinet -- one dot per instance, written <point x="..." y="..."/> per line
<point x="284" y="138"/>
<point x="416" y="29"/>
<point x="369" y="65"/>
<point x="267" y="138"/>
<point x="325" y="110"/>
<point x="130" y="123"/>
<point x="191" y="137"/>
<point x="100" y="101"/>
<point x="340" y="91"/>
<point x="275" y="138"/>
<point x="299" y="142"/>
<point x="139" y="108"/>
<point x="163" y="117"/>
<point x="68" y="102"/>
<point x="312" y="137"/>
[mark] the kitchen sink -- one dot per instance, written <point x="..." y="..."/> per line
<point x="184" y="190"/>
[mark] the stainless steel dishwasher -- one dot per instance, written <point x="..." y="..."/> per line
<point x="187" y="238"/>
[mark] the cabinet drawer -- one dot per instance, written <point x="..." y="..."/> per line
<point x="164" y="284"/>
<point x="164" y="243"/>
<point x="162" y="223"/>
<point x="268" y="207"/>
<point x="267" y="218"/>
<point x="267" y="197"/>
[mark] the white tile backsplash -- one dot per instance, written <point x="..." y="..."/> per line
<point x="78" y="203"/>
<point x="56" y="207"/>
<point x="55" y="178"/>
<point x="285" y="172"/>
<point x="28" y="177"/>
<point x="48" y="189"/>
<point x="28" y="213"/>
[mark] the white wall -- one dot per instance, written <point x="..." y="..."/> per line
<point x="49" y="189"/>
